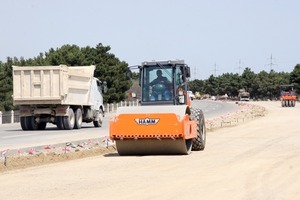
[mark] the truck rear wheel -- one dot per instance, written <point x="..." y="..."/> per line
<point x="23" y="122"/>
<point x="60" y="122"/>
<point x="200" y="140"/>
<point x="69" y="120"/>
<point x="98" y="123"/>
<point x="42" y="125"/>
<point x="32" y="124"/>
<point x="78" y="118"/>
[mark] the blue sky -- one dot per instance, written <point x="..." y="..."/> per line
<point x="227" y="34"/>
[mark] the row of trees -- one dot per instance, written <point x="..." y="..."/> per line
<point x="108" y="68"/>
<point x="264" y="85"/>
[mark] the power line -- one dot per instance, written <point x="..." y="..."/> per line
<point x="215" y="70"/>
<point x="240" y="66"/>
<point x="271" y="63"/>
<point x="195" y="72"/>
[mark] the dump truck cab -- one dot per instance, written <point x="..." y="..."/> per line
<point x="164" y="83"/>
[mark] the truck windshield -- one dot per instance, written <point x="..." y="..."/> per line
<point x="157" y="83"/>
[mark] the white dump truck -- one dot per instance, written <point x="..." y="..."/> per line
<point x="62" y="95"/>
<point x="243" y="95"/>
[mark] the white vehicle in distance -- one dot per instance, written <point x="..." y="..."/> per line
<point x="191" y="95"/>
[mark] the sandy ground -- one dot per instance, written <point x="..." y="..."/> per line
<point x="258" y="159"/>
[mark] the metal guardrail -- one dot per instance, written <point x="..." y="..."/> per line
<point x="110" y="108"/>
<point x="9" y="117"/>
<point x="13" y="116"/>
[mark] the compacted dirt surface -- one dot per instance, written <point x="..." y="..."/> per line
<point x="258" y="159"/>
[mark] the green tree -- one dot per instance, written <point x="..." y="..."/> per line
<point x="197" y="86"/>
<point x="295" y="78"/>
<point x="6" y="86"/>
<point x="108" y="67"/>
<point x="229" y="84"/>
<point x="264" y="85"/>
<point x="247" y="80"/>
<point x="211" y="86"/>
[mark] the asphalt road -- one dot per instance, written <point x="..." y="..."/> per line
<point x="214" y="108"/>
<point x="13" y="137"/>
<point x="258" y="159"/>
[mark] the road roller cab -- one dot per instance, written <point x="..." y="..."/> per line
<point x="165" y="123"/>
<point x="164" y="83"/>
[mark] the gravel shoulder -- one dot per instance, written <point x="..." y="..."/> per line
<point x="258" y="159"/>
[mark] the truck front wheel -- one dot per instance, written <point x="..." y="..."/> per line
<point x="98" y="123"/>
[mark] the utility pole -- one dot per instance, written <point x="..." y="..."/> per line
<point x="215" y="70"/>
<point x="271" y="62"/>
<point x="240" y="66"/>
<point x="195" y="72"/>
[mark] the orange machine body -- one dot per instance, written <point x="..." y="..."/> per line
<point x="288" y="97"/>
<point x="152" y="122"/>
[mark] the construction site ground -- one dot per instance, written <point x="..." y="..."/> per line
<point x="257" y="159"/>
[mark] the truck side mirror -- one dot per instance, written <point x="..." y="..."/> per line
<point x="128" y="74"/>
<point x="104" y="87"/>
<point x="188" y="72"/>
<point x="140" y="77"/>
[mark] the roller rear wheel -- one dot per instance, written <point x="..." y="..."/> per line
<point x="286" y="103"/>
<point x="293" y="103"/>
<point x="200" y="141"/>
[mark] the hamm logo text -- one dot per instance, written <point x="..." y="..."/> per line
<point x="146" y="121"/>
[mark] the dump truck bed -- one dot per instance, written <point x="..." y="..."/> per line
<point x="52" y="85"/>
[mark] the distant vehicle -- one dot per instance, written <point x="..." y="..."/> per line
<point x="197" y="95"/>
<point x="213" y="98"/>
<point x="243" y="95"/>
<point x="191" y="95"/>
<point x="287" y="96"/>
